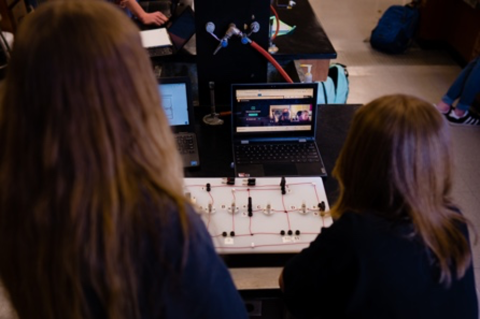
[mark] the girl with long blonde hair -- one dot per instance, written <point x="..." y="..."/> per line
<point x="93" y="220"/>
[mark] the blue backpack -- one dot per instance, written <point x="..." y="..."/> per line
<point x="395" y="29"/>
<point x="335" y="89"/>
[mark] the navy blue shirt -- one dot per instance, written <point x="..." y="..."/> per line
<point x="207" y="289"/>
<point x="177" y="283"/>
<point x="364" y="266"/>
<point x="204" y="287"/>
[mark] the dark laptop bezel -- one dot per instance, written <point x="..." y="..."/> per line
<point x="183" y="12"/>
<point x="188" y="87"/>
<point x="274" y="135"/>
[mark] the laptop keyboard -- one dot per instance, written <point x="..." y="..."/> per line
<point x="185" y="143"/>
<point x="160" y="51"/>
<point x="276" y="153"/>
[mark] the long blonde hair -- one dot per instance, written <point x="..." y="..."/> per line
<point x="397" y="162"/>
<point x="88" y="165"/>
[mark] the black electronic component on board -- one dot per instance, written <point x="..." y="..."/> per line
<point x="321" y="206"/>
<point x="282" y="233"/>
<point x="224" y="234"/>
<point x="282" y="185"/>
<point x="249" y="182"/>
<point x="208" y="187"/>
<point x="250" y="210"/>
<point x="297" y="232"/>
<point x="232" y="234"/>
<point x="230" y="180"/>
<point x="290" y="232"/>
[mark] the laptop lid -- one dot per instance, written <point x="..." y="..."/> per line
<point x="274" y="111"/>
<point x="177" y="103"/>
<point x="181" y="27"/>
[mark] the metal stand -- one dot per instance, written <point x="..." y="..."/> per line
<point x="212" y="118"/>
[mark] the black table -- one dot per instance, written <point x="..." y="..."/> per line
<point x="308" y="41"/>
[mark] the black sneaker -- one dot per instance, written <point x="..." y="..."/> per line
<point x="468" y="119"/>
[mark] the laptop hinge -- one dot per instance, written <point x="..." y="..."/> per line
<point x="243" y="142"/>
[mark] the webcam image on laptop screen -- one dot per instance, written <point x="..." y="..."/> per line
<point x="274" y="110"/>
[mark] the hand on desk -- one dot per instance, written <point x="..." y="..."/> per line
<point x="154" y="18"/>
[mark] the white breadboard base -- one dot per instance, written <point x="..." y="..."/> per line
<point x="279" y="223"/>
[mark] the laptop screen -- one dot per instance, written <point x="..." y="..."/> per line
<point x="280" y="110"/>
<point x="175" y="103"/>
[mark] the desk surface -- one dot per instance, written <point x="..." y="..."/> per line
<point x="308" y="41"/>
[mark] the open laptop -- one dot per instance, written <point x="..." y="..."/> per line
<point x="177" y="104"/>
<point x="273" y="130"/>
<point x="172" y="37"/>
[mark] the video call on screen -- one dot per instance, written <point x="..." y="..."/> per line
<point x="258" y="115"/>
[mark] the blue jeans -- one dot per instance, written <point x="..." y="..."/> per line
<point x="466" y="86"/>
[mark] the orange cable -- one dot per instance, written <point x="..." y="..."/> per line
<point x="272" y="60"/>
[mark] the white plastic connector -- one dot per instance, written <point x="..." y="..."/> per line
<point x="268" y="209"/>
<point x="303" y="208"/>
<point x="233" y="209"/>
<point x="210" y="209"/>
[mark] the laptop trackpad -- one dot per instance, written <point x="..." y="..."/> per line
<point x="310" y="169"/>
<point x="250" y="170"/>
<point x="280" y="169"/>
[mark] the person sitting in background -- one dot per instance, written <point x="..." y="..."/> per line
<point x="399" y="247"/>
<point x="156" y="18"/>
<point x="465" y="88"/>
<point x="304" y="116"/>
<point x="284" y="116"/>
<point x="93" y="219"/>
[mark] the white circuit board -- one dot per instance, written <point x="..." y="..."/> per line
<point x="258" y="218"/>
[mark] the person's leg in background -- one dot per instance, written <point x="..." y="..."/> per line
<point x="464" y="88"/>
<point x="458" y="87"/>
<point x="470" y="89"/>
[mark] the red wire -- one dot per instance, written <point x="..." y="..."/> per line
<point x="277" y="22"/>
<point x="272" y="60"/>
